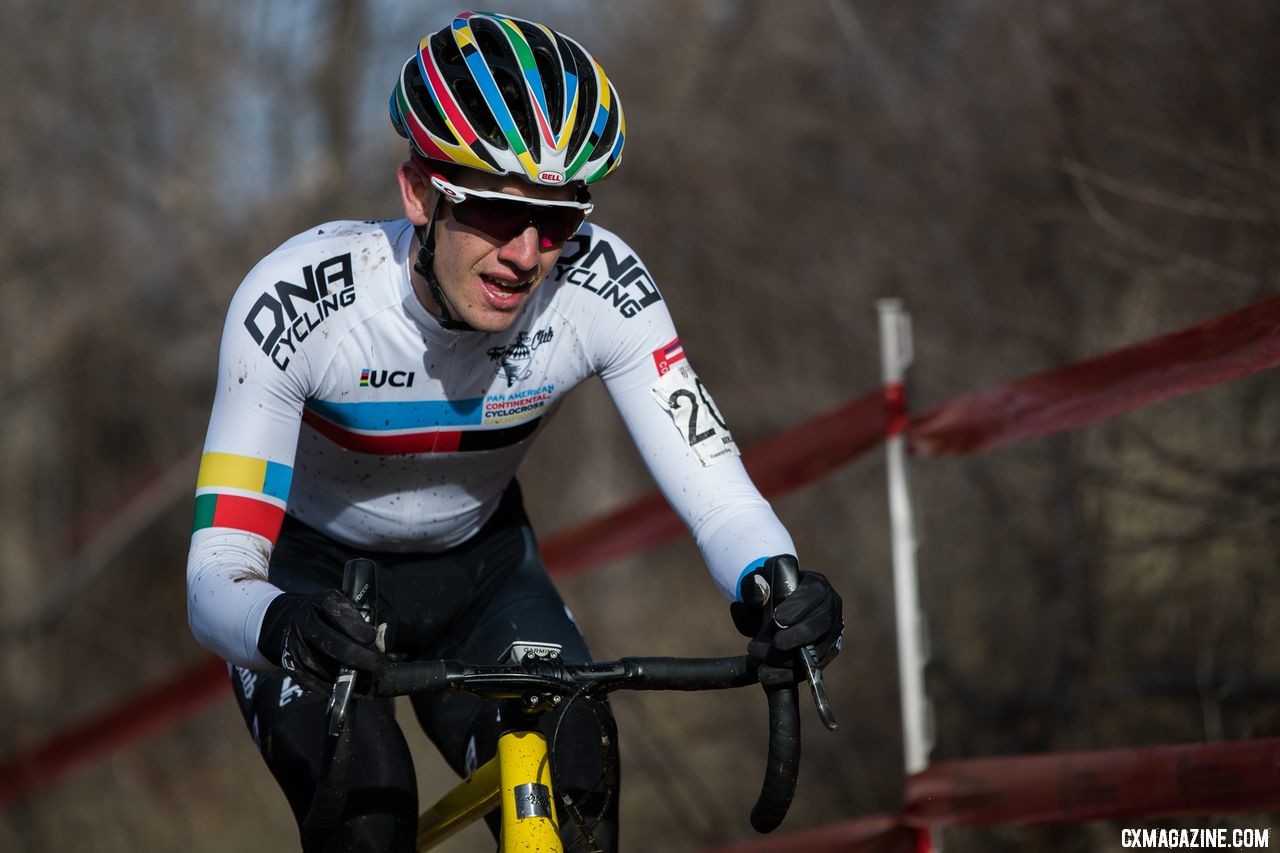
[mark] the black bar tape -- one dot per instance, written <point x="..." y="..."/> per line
<point x="783" y="769"/>
<point x="400" y="679"/>
<point x="688" y="674"/>
<point x="331" y="791"/>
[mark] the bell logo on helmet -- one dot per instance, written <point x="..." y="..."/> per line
<point x="548" y="176"/>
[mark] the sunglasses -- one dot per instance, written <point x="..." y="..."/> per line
<point x="505" y="217"/>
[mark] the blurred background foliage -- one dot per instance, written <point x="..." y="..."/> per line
<point x="1039" y="181"/>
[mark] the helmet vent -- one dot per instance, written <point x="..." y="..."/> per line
<point x="586" y="95"/>
<point x="420" y="102"/>
<point x="610" y="131"/>
<point x="516" y="97"/>
<point x="477" y="112"/>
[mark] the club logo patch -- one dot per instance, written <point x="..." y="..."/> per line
<point x="515" y="359"/>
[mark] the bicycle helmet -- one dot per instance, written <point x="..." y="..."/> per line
<point x="512" y="97"/>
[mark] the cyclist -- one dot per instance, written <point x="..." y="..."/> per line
<point x="384" y="380"/>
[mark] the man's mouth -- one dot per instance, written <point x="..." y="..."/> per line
<point x="504" y="295"/>
<point x="507" y="287"/>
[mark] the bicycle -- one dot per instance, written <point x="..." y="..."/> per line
<point x="520" y="779"/>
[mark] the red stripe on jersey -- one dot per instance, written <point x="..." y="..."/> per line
<point x="241" y="513"/>
<point x="401" y="444"/>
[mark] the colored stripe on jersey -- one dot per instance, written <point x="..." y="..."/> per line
<point x="420" y="441"/>
<point x="401" y="415"/>
<point x="260" y="513"/>
<point x="239" y="513"/>
<point x="232" y="471"/>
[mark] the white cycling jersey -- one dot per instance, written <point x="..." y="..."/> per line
<point x="343" y="402"/>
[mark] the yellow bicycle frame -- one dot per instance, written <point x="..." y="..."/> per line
<point x="518" y="779"/>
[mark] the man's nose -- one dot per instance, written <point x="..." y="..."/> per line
<point x="522" y="249"/>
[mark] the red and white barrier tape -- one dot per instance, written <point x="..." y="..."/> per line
<point x="776" y="465"/>
<point x="152" y="710"/>
<point x="1158" y="781"/>
<point x="1151" y="782"/>
<point x="1232" y="346"/>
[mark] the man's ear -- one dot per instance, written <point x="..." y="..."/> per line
<point x="416" y="193"/>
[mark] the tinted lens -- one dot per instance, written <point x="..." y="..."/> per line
<point x="501" y="220"/>
<point x="557" y="224"/>
<point x="504" y="220"/>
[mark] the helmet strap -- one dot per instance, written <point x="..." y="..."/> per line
<point x="425" y="266"/>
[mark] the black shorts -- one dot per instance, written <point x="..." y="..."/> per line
<point x="470" y="603"/>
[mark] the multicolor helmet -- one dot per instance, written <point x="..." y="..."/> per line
<point x="512" y="97"/>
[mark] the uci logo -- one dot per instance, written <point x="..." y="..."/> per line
<point x="378" y="378"/>
<point x="550" y="177"/>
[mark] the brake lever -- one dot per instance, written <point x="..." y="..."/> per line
<point x="785" y="580"/>
<point x="817" y="687"/>
<point x="358" y="584"/>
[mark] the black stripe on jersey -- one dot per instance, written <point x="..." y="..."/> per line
<point x="491" y="439"/>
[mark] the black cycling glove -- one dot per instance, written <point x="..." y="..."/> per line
<point x="812" y="615"/>
<point x="312" y="635"/>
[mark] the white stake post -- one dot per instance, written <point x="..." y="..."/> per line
<point x="896" y="354"/>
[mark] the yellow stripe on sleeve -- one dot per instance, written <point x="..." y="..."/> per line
<point x="231" y="471"/>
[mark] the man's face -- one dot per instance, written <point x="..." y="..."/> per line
<point x="485" y="279"/>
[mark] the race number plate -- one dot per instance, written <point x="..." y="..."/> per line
<point x="683" y="396"/>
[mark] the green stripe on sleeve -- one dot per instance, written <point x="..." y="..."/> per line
<point x="204" y="511"/>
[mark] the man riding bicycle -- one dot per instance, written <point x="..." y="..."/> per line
<point x="384" y="380"/>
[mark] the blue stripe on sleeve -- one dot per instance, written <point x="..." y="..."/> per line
<point x="751" y="567"/>
<point x="277" y="480"/>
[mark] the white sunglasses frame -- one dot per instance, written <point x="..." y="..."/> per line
<point x="455" y="193"/>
